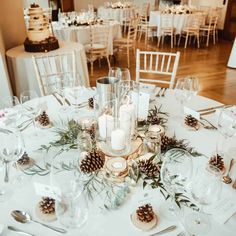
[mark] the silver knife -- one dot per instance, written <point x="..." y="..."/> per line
<point x="168" y="229"/>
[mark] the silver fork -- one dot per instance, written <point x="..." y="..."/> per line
<point x="213" y="127"/>
<point x="163" y="93"/>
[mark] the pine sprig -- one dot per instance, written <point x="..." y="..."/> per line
<point x="180" y="143"/>
<point x="155" y="117"/>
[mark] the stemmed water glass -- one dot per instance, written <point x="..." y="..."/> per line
<point x="176" y="173"/>
<point x="11" y="109"/>
<point x="227" y="123"/>
<point x="114" y="72"/>
<point x="11" y="149"/>
<point x="66" y="181"/>
<point x="31" y="104"/>
<point x="205" y="189"/>
<point x="124" y="74"/>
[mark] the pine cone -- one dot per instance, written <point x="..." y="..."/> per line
<point x="24" y="160"/>
<point x="165" y="142"/>
<point x="217" y="161"/>
<point x="153" y="119"/>
<point x="145" y="213"/>
<point x="93" y="161"/>
<point x="47" y="205"/>
<point x="191" y="121"/>
<point x="43" y="119"/>
<point x="91" y="103"/>
<point x="148" y="167"/>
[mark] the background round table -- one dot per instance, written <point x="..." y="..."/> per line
<point x="81" y="34"/>
<point x="232" y="58"/>
<point x="118" y="14"/>
<point x="21" y="67"/>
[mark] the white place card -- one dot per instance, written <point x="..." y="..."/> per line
<point x="189" y="111"/>
<point x="47" y="190"/>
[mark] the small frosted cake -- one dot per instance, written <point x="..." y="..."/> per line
<point x="45" y="209"/>
<point x="39" y="36"/>
<point x="144" y="217"/>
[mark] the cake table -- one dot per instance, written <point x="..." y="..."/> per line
<point x="22" y="71"/>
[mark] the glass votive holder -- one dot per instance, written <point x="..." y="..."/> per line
<point x="152" y="143"/>
<point x="118" y="135"/>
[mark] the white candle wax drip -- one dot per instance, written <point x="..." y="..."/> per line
<point x="118" y="139"/>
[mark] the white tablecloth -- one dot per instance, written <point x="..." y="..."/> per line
<point x="81" y="34"/>
<point x="116" y="14"/>
<point x="22" y="71"/>
<point x="117" y="222"/>
<point x="179" y="21"/>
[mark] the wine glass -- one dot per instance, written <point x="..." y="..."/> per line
<point x="176" y="173"/>
<point x="114" y="72"/>
<point x="124" y="74"/>
<point x="182" y="92"/>
<point x="227" y="123"/>
<point x="11" y="149"/>
<point x="31" y="104"/>
<point x="11" y="109"/>
<point x="205" y="189"/>
<point x="66" y="181"/>
<point x="192" y="83"/>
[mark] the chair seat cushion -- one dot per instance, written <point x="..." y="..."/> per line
<point x="88" y="47"/>
<point x="123" y="41"/>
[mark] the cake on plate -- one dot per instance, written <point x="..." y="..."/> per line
<point x="39" y="38"/>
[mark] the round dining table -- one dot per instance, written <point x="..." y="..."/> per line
<point x="81" y="34"/>
<point x="179" y="21"/>
<point x="117" y="222"/>
<point x="118" y="14"/>
<point x="21" y="67"/>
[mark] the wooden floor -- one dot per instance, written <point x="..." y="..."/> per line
<point x="217" y="81"/>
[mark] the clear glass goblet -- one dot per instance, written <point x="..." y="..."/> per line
<point x="11" y="149"/>
<point x="66" y="181"/>
<point x="205" y="189"/>
<point x="176" y="174"/>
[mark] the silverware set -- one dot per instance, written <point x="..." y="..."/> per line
<point x="161" y="92"/>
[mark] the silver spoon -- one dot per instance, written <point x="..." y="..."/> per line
<point x="166" y="230"/>
<point x="24" y="217"/>
<point x="227" y="179"/>
<point x="19" y="230"/>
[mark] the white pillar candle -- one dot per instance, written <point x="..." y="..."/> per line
<point x="105" y="124"/>
<point x="130" y="109"/>
<point x="118" y="139"/>
<point x="126" y="123"/>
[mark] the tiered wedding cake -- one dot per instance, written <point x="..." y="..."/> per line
<point x="39" y="36"/>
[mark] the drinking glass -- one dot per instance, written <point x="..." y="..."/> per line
<point x="182" y="92"/>
<point x="124" y="74"/>
<point x="205" y="189"/>
<point x="11" y="110"/>
<point x="129" y="101"/>
<point x="227" y="124"/>
<point x="11" y="149"/>
<point x="176" y="173"/>
<point x="66" y="181"/>
<point x="31" y="104"/>
<point x="114" y="72"/>
<point x="193" y="84"/>
<point x="152" y="143"/>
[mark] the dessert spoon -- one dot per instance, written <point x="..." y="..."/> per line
<point x="227" y="179"/>
<point x="24" y="217"/>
